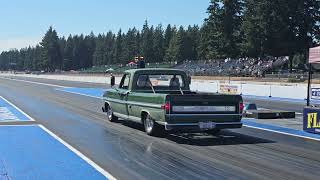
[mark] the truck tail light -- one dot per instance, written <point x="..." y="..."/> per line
<point x="166" y="106"/>
<point x="241" y="106"/>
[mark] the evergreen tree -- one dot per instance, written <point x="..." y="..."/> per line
<point x="173" y="53"/>
<point x="37" y="58"/>
<point x="158" y="44"/>
<point x="223" y="28"/>
<point x="68" y="54"/>
<point x="167" y="36"/>
<point x="147" y="42"/>
<point x="90" y="47"/>
<point x="99" y="51"/>
<point x="108" y="46"/>
<point x="118" y="50"/>
<point x="51" y="54"/>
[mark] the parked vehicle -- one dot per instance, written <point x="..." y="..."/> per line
<point x="161" y="100"/>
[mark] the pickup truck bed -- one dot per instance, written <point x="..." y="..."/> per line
<point x="186" y="111"/>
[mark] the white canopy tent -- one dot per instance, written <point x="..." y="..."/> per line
<point x="314" y="58"/>
<point x="314" y="55"/>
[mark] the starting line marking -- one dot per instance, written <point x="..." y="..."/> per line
<point x="68" y="146"/>
<point x="9" y="115"/>
<point x="78" y="153"/>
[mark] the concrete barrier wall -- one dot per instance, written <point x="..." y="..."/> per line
<point x="283" y="90"/>
<point x="294" y="91"/>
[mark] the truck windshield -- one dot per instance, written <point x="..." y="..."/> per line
<point x="160" y="81"/>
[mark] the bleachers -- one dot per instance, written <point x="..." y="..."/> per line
<point x="232" y="67"/>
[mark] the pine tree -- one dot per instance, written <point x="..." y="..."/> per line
<point x="51" y="51"/>
<point x="68" y="54"/>
<point x="173" y="53"/>
<point x="158" y="44"/>
<point x="223" y="28"/>
<point x="167" y="36"/>
<point x="99" y="51"/>
<point x="118" y="50"/>
<point x="90" y="47"/>
<point x="147" y="42"/>
<point x="109" y="42"/>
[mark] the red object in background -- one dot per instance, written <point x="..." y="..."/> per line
<point x="131" y="63"/>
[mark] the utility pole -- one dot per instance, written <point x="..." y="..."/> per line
<point x="309" y="81"/>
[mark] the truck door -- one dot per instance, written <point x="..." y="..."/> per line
<point x="123" y="92"/>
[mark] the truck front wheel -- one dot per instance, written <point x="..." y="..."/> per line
<point x="151" y="127"/>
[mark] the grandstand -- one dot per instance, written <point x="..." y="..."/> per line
<point x="233" y="67"/>
<point x="120" y="68"/>
<point x="253" y="67"/>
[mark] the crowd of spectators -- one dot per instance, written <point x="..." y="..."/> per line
<point x="233" y="67"/>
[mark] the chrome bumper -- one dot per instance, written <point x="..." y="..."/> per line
<point x="195" y="126"/>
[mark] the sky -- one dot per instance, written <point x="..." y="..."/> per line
<point x="24" y="22"/>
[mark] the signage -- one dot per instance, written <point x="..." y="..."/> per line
<point x="228" y="89"/>
<point x="315" y="93"/>
<point x="314" y="55"/>
<point x="311" y="120"/>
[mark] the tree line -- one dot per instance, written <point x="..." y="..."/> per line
<point x="233" y="28"/>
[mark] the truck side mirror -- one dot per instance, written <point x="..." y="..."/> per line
<point x="112" y="81"/>
<point x="189" y="80"/>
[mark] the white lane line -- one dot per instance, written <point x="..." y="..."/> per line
<point x="33" y="82"/>
<point x="82" y="156"/>
<point x="64" y="90"/>
<point x="14" y="106"/>
<point x="18" y="125"/>
<point x="280" y="132"/>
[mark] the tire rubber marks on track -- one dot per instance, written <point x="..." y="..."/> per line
<point x="90" y="92"/>
<point x="66" y="89"/>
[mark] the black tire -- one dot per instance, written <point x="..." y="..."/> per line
<point x="111" y="117"/>
<point x="213" y="131"/>
<point x="151" y="127"/>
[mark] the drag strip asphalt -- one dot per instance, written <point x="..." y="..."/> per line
<point x="124" y="150"/>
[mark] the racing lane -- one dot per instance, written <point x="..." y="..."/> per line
<point x="127" y="153"/>
<point x="279" y="105"/>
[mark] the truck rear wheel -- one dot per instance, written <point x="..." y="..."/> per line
<point x="151" y="127"/>
<point x="111" y="117"/>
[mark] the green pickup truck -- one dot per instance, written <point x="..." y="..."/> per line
<point x="161" y="99"/>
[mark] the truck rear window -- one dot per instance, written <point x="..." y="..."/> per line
<point x="167" y="81"/>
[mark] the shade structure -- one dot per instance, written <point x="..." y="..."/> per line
<point x="314" y="55"/>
